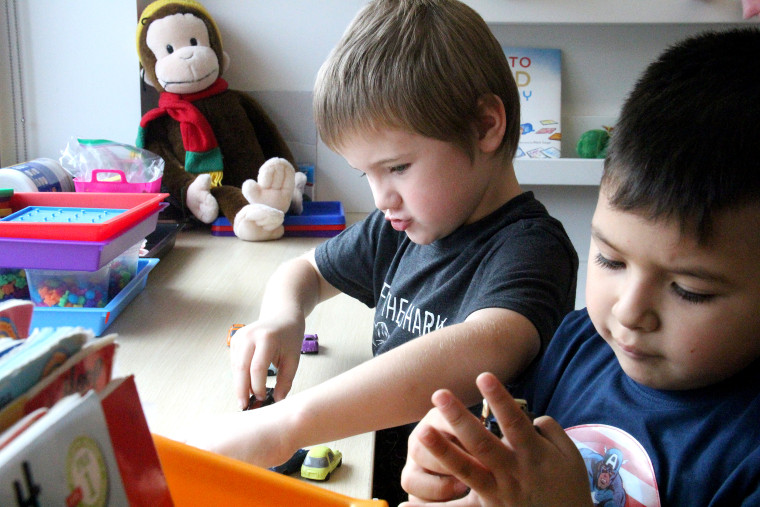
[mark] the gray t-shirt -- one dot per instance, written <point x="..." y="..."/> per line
<point x="518" y="258"/>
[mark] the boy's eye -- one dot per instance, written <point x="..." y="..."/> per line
<point x="399" y="168"/>
<point x="691" y="297"/>
<point x="606" y="263"/>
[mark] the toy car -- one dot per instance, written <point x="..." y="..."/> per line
<point x="293" y="465"/>
<point x="490" y="422"/>
<point x="310" y="344"/>
<point x="253" y="403"/>
<point x="232" y="330"/>
<point x="320" y="463"/>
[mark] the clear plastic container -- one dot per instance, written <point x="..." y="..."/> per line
<point x="13" y="284"/>
<point x="123" y="269"/>
<point x="69" y="289"/>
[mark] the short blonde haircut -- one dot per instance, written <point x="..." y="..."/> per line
<point x="418" y="66"/>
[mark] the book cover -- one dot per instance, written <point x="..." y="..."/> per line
<point x="15" y="318"/>
<point x="136" y="454"/>
<point x="538" y="74"/>
<point x="63" y="458"/>
<point x="90" y="368"/>
<point x="93" y="449"/>
<point x="36" y="357"/>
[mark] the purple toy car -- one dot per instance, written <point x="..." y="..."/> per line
<point x="310" y="344"/>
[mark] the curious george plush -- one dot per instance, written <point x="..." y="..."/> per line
<point x="222" y="152"/>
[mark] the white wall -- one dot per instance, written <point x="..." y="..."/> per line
<point x="79" y="72"/>
<point x="80" y="78"/>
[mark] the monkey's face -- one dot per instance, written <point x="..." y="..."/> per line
<point x="185" y="61"/>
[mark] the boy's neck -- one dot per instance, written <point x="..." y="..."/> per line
<point x="502" y="188"/>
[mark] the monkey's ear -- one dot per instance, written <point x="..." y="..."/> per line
<point x="145" y="77"/>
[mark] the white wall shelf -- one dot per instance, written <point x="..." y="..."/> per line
<point x="608" y="11"/>
<point x="605" y="45"/>
<point x="563" y="171"/>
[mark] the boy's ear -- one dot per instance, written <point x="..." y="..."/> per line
<point x="491" y="122"/>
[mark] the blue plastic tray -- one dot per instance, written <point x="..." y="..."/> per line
<point x="318" y="213"/>
<point x="97" y="319"/>
<point x="55" y="215"/>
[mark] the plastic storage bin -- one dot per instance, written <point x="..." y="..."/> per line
<point x="13" y="284"/>
<point x="62" y="249"/>
<point x="97" y="319"/>
<point x="123" y="269"/>
<point x="114" y="180"/>
<point x="69" y="289"/>
<point x="197" y="477"/>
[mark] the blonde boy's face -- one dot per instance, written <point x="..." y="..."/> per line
<point x="427" y="188"/>
<point x="677" y="314"/>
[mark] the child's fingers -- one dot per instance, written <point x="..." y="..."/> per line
<point x="259" y="367"/>
<point x="286" y="372"/>
<point x="515" y="425"/>
<point x="426" y="485"/>
<point x="241" y="353"/>
<point x="553" y="432"/>
<point x="480" y="445"/>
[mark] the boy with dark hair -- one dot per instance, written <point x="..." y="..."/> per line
<point x="663" y="367"/>
<point x="465" y="270"/>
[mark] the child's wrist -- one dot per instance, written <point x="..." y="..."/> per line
<point x="293" y="421"/>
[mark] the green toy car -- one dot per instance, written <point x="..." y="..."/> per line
<point x="320" y="463"/>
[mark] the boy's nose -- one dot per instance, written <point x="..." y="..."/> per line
<point x="384" y="195"/>
<point x="635" y="308"/>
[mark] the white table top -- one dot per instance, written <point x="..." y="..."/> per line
<point x="172" y="337"/>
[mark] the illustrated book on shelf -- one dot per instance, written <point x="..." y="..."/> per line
<point x="538" y="74"/>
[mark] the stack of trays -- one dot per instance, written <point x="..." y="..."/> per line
<point x="78" y="233"/>
<point x="322" y="219"/>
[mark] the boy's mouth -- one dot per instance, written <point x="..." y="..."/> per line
<point x="397" y="223"/>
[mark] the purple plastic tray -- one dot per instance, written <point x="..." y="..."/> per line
<point x="23" y="253"/>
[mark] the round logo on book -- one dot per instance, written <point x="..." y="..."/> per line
<point x="87" y="474"/>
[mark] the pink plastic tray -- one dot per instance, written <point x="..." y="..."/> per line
<point x="114" y="180"/>
<point x="137" y="208"/>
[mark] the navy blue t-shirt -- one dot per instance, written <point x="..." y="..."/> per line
<point x="694" y="447"/>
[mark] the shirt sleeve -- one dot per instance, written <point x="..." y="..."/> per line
<point x="536" y="279"/>
<point x="347" y="261"/>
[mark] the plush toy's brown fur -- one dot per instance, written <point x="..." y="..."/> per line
<point x="245" y="134"/>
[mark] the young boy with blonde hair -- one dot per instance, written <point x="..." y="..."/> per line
<point x="466" y="272"/>
<point x="657" y="382"/>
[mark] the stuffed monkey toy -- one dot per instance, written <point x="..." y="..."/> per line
<point x="222" y="152"/>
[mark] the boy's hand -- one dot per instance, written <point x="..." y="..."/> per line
<point x="254" y="347"/>
<point x="450" y="451"/>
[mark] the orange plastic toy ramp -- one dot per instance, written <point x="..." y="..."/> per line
<point x="198" y="477"/>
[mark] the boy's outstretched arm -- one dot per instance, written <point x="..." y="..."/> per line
<point x="452" y="455"/>
<point x="292" y="292"/>
<point x="391" y="389"/>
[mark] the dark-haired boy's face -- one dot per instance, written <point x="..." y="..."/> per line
<point x="678" y="314"/>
